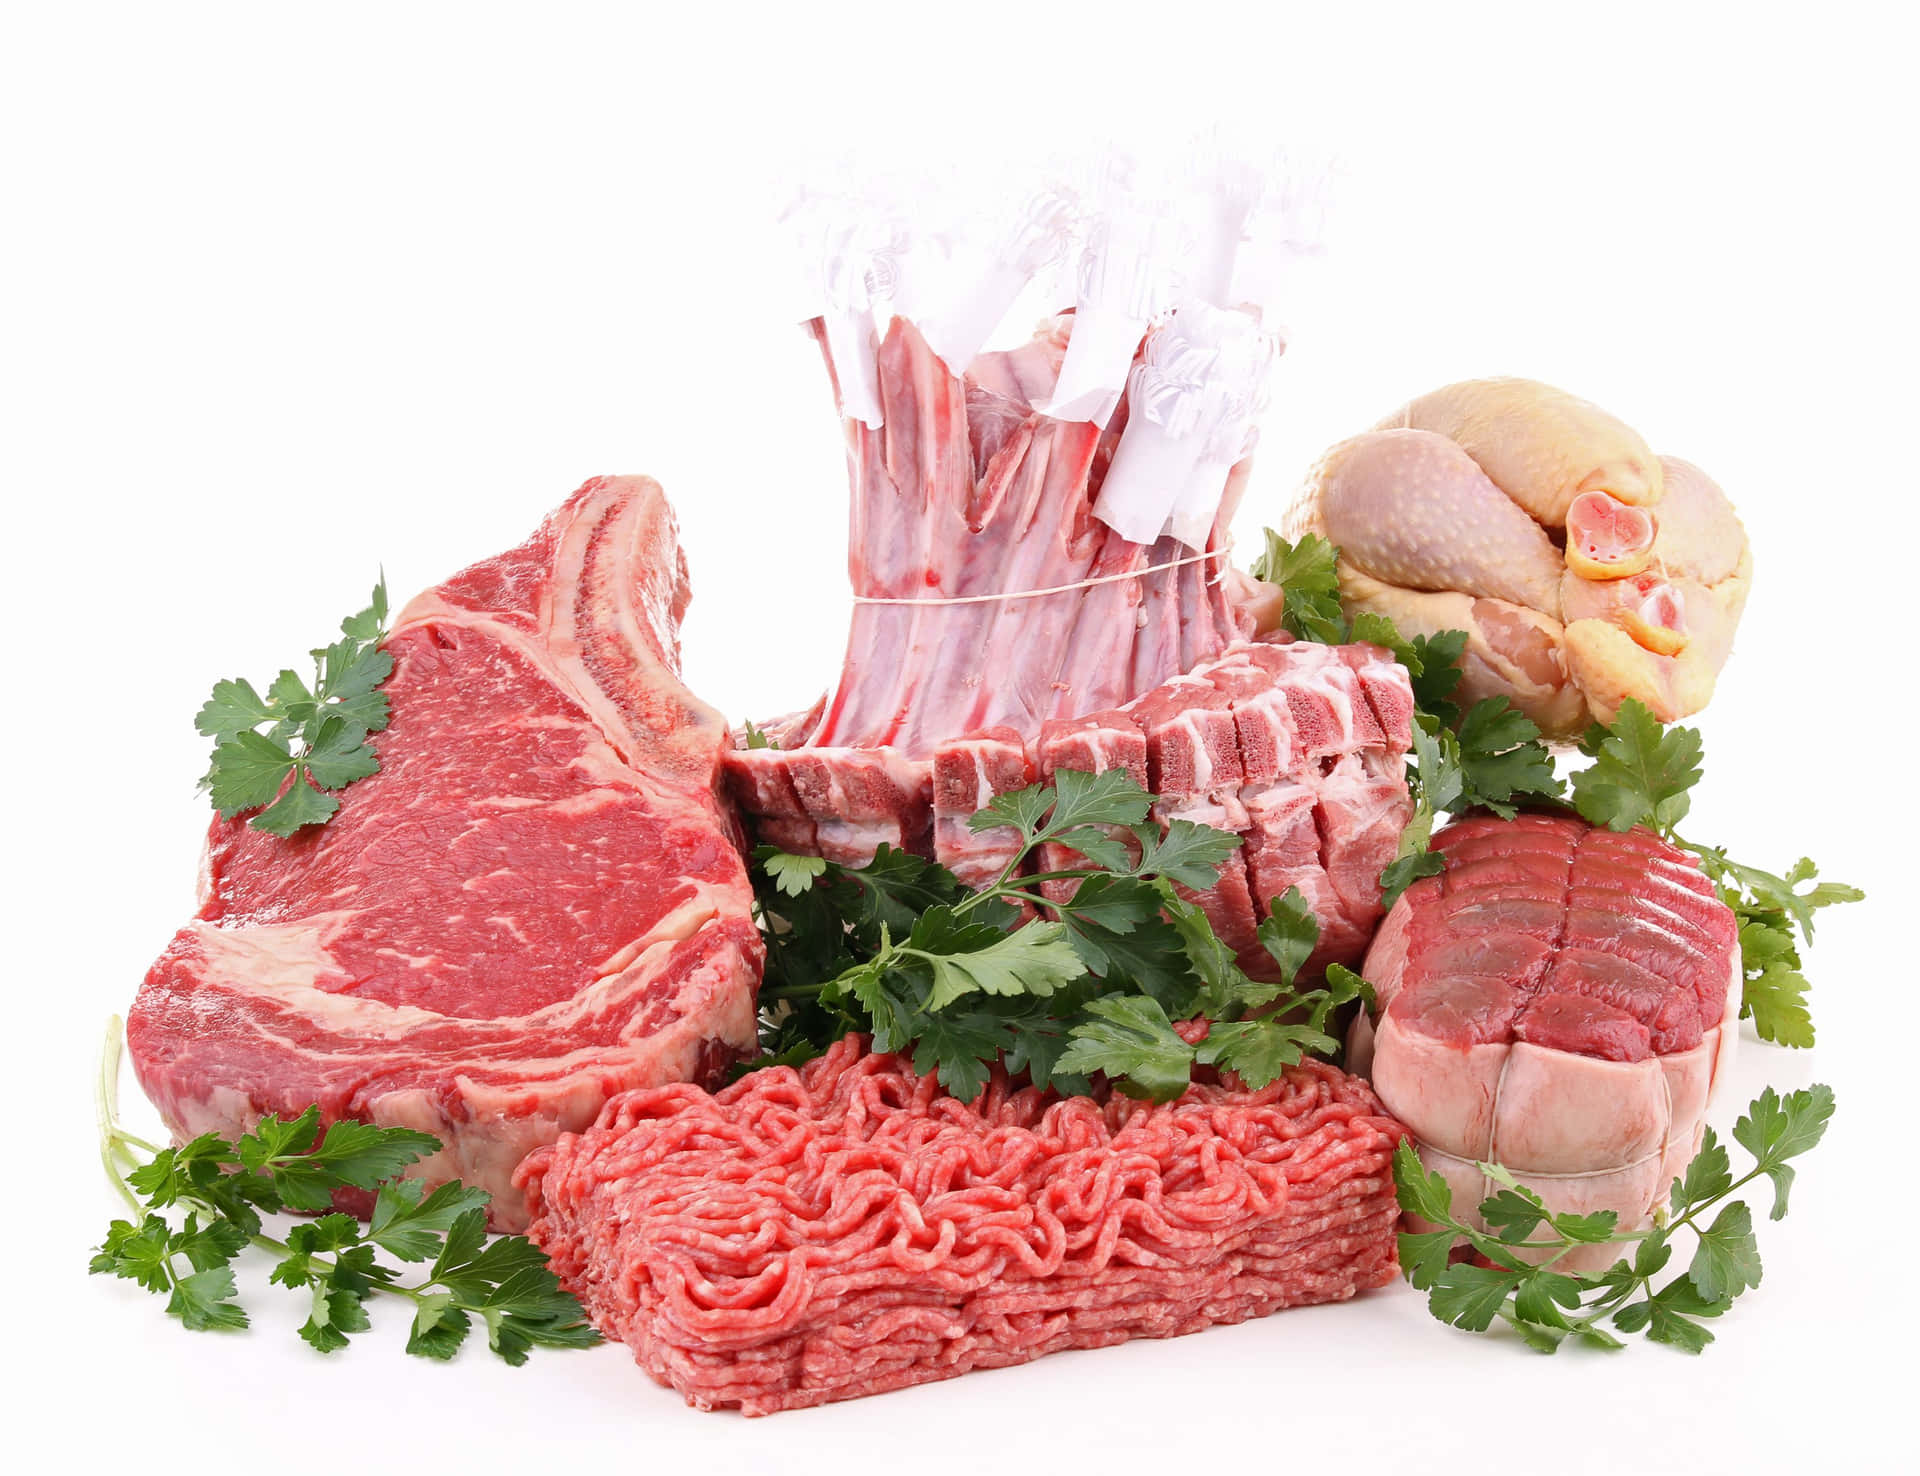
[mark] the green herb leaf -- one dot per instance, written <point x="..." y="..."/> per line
<point x="315" y="738"/>
<point x="1424" y="1256"/>
<point x="1037" y="1037"/>
<point x="1775" y="1000"/>
<point x="1640" y="773"/>
<point x="248" y="770"/>
<point x="1422" y="1192"/>
<point x="1503" y="760"/>
<point x="233" y="708"/>
<point x="1259" y="1050"/>
<point x="793" y="874"/>
<point x="291" y="1162"/>
<point x="1289" y="932"/>
<point x="964" y="959"/>
<point x="1776" y="1130"/>
<point x="1770" y="908"/>
<point x="890" y="892"/>
<point x="338" y="1312"/>
<point x="1541" y="1296"/>
<point x="351" y="1155"/>
<point x="1513" y="1214"/>
<point x="439" y="1327"/>
<point x="1308" y="575"/>
<point x="961" y="979"/>
<point x="1546" y="1305"/>
<point x="1115" y="926"/>
<point x="337" y="752"/>
<point x="1672" y="1313"/>
<point x="1727" y="1262"/>
<point x="409" y="1223"/>
<point x="1187" y="854"/>
<point x="1470" y="1297"/>
<point x="1596" y="1228"/>
<point x="137" y="1253"/>
<point x="1132" y="1041"/>
<point x="204" y="1301"/>
<point x="1437" y="674"/>
<point x="300" y="806"/>
<point x="961" y="1046"/>
<point x="1109" y="797"/>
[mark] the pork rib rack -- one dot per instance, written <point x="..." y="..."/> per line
<point x="536" y="903"/>
<point x="951" y="694"/>
<point x="1560" y="1000"/>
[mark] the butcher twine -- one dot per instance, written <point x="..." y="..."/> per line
<point x="1029" y="594"/>
<point x="1493" y="1128"/>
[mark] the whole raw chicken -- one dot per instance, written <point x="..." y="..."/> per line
<point x="1584" y="569"/>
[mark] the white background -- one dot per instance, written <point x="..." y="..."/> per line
<point x="292" y="294"/>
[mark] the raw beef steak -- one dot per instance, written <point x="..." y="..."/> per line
<point x="846" y="1228"/>
<point x="1561" y="1000"/>
<point x="536" y="903"/>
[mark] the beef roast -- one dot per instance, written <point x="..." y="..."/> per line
<point x="1561" y="1000"/>
<point x="536" y="903"/>
<point x="848" y="1228"/>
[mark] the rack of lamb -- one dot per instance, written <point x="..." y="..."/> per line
<point x="1039" y="551"/>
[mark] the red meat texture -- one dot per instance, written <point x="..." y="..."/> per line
<point x="1562" y="1000"/>
<point x="1544" y="929"/>
<point x="846" y="1229"/>
<point x="536" y="903"/>
<point x="1004" y="633"/>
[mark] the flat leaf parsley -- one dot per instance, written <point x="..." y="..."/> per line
<point x="316" y="733"/>
<point x="226" y="1189"/>
<point x="1066" y="975"/>
<point x="1513" y="1275"/>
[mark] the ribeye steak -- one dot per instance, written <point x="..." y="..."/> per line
<point x="537" y="902"/>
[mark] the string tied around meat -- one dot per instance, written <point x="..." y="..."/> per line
<point x="1029" y="594"/>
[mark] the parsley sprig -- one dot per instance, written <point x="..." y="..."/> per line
<point x="1492" y="757"/>
<point x="1061" y="982"/>
<point x="197" y="1207"/>
<point x="1513" y="1273"/>
<point x="317" y="732"/>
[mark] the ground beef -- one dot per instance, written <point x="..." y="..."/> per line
<point x="845" y="1229"/>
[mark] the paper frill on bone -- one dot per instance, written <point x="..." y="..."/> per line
<point x="1198" y="253"/>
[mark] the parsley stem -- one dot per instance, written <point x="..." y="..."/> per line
<point x="328" y="1265"/>
<point x="115" y="1141"/>
<point x="106" y="1102"/>
<point x="999" y="887"/>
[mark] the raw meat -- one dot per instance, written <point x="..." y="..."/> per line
<point x="966" y="492"/>
<point x="846" y="1229"/>
<point x="1562" y="1000"/>
<point x="1297" y="748"/>
<point x="1584" y="569"/>
<point x="537" y="902"/>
